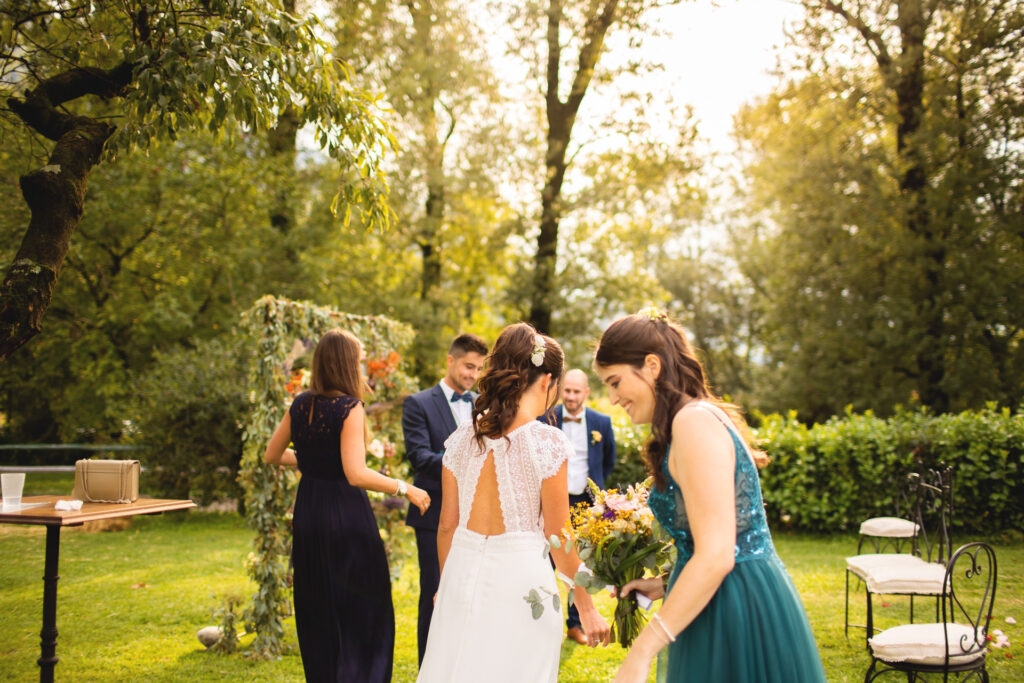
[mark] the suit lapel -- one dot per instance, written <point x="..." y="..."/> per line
<point x="593" y="447"/>
<point x="443" y="409"/>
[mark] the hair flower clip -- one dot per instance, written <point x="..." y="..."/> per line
<point x="653" y="314"/>
<point x="539" y="347"/>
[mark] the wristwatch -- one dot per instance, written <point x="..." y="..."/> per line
<point x="402" y="488"/>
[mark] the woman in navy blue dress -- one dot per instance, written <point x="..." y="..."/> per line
<point x="342" y="587"/>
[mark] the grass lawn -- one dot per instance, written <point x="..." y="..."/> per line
<point x="130" y="602"/>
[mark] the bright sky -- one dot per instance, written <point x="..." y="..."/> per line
<point x="719" y="56"/>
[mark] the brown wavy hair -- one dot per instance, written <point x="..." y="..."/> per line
<point x="509" y="372"/>
<point x="336" y="366"/>
<point x="628" y="341"/>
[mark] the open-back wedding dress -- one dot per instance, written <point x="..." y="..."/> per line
<point x="483" y="629"/>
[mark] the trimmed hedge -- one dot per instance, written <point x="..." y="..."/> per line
<point x="831" y="476"/>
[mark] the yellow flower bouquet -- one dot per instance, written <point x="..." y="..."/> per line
<point x="616" y="538"/>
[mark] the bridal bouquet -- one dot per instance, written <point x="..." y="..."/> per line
<point x="615" y="538"/>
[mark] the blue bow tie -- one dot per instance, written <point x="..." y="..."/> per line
<point x="467" y="397"/>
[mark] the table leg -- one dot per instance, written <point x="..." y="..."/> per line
<point x="48" y="636"/>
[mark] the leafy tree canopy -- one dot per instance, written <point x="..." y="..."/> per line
<point x="884" y="183"/>
<point x="157" y="71"/>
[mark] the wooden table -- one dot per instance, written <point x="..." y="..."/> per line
<point x="39" y="510"/>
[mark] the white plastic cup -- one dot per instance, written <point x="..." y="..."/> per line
<point x="11" y="484"/>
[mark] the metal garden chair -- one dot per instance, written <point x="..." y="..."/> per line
<point x="958" y="641"/>
<point x="920" y="571"/>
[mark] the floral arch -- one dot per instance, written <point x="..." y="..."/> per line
<point x="274" y="324"/>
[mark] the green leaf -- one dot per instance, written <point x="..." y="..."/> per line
<point x="583" y="578"/>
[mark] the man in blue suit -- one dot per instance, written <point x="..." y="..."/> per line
<point x="428" y="419"/>
<point x="593" y="441"/>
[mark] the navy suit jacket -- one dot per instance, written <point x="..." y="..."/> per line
<point x="427" y="422"/>
<point x="600" y="454"/>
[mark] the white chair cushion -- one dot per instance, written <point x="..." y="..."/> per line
<point x="925" y="644"/>
<point x="898" y="573"/>
<point x="888" y="527"/>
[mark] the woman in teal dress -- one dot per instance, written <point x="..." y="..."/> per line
<point x="731" y="612"/>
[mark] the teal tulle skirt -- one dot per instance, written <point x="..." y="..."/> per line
<point x="754" y="629"/>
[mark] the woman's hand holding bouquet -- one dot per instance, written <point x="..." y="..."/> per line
<point x="616" y="539"/>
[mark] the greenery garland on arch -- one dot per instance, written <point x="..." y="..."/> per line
<point x="275" y="324"/>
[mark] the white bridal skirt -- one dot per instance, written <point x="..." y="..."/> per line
<point x="482" y="628"/>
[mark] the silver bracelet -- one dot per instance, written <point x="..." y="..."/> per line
<point x="402" y="488"/>
<point x="657" y="618"/>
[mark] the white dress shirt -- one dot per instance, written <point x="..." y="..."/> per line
<point x="578" y="468"/>
<point x="462" y="411"/>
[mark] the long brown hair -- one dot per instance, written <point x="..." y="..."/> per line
<point x="336" y="367"/>
<point x="508" y="372"/>
<point x="628" y="341"/>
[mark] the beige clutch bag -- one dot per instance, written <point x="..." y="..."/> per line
<point x="107" y="481"/>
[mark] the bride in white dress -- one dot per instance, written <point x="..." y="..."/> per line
<point x="505" y="492"/>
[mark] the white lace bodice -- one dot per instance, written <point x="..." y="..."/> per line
<point x="530" y="454"/>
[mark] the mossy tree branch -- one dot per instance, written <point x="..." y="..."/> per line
<point x="54" y="193"/>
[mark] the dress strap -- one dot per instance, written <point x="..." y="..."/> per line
<point x="727" y="423"/>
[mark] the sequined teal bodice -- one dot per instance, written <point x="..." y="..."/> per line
<point x="753" y="540"/>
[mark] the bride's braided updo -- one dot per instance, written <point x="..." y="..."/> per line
<point x="509" y="371"/>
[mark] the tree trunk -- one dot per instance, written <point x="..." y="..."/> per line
<point x="561" y="118"/>
<point x="434" y="144"/>
<point x="430" y="248"/>
<point x="909" y="90"/>
<point x="547" y="242"/>
<point x="281" y="141"/>
<point x="905" y="76"/>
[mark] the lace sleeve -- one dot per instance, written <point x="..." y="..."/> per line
<point x="553" y="449"/>
<point x="456" y="448"/>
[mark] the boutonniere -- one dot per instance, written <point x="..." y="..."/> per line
<point x="595" y="436"/>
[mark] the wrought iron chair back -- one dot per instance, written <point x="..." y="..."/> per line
<point x="933" y="514"/>
<point x="974" y="564"/>
<point x="966" y="605"/>
<point x="904" y="508"/>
